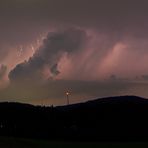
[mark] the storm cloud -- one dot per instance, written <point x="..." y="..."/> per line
<point x="48" y="55"/>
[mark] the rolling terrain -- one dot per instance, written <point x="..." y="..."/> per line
<point x="121" y="118"/>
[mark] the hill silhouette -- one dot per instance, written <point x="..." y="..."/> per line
<point x="121" y="118"/>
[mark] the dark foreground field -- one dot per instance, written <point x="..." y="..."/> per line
<point x="6" y="142"/>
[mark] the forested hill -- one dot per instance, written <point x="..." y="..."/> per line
<point x="107" y="119"/>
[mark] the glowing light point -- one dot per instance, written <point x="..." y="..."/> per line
<point x="67" y="95"/>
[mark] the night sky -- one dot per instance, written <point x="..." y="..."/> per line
<point x="91" y="48"/>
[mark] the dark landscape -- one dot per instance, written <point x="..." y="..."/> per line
<point x="114" y="119"/>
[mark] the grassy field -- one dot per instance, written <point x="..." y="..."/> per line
<point x="25" y="143"/>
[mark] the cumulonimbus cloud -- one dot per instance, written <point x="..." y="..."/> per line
<point x="48" y="55"/>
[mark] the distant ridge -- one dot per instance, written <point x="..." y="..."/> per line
<point x="113" y="99"/>
<point x="120" y="99"/>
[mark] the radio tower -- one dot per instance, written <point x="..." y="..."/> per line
<point x="67" y="96"/>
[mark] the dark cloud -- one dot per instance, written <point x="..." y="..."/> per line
<point x="114" y="16"/>
<point x="54" y="69"/>
<point x="48" y="55"/>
